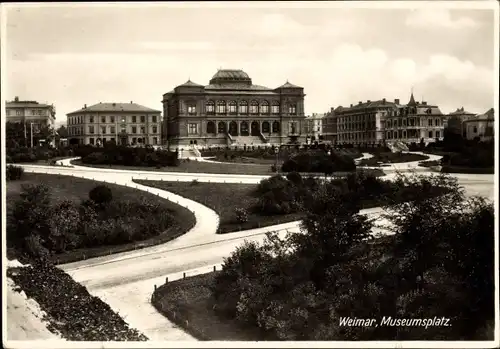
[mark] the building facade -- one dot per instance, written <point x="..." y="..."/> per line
<point x="30" y="112"/>
<point x="382" y="121"/>
<point x="456" y="119"/>
<point x="232" y="110"/>
<point x="122" y="123"/>
<point x="480" y="127"/>
<point x="314" y="127"/>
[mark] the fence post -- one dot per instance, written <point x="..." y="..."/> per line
<point x="166" y="280"/>
<point x="215" y="267"/>
<point x="183" y="275"/>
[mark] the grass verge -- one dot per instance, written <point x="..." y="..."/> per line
<point x="76" y="189"/>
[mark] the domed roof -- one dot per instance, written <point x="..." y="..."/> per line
<point x="230" y="76"/>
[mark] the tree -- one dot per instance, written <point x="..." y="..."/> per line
<point x="62" y="131"/>
<point x="15" y="135"/>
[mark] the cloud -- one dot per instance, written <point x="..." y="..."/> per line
<point x="425" y="18"/>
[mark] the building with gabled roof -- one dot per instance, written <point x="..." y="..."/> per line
<point x="480" y="126"/>
<point x="231" y="109"/>
<point x="120" y="123"/>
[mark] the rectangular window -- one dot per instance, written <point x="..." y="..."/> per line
<point x="292" y="109"/>
<point x="155" y="129"/>
<point x="474" y="129"/>
<point x="210" y="108"/>
<point x="134" y="118"/>
<point x="243" y="109"/>
<point x="254" y="109"/>
<point x="430" y="122"/>
<point x="91" y="129"/>
<point x="143" y="118"/>
<point x="264" y="109"/>
<point x="191" y="109"/>
<point x="437" y="122"/>
<point x="192" y="129"/>
<point x="112" y="129"/>
<point x="112" y="140"/>
<point x="134" y="140"/>
<point x="437" y="134"/>
<point x="91" y="140"/>
<point x="154" y="118"/>
<point x="123" y="130"/>
<point x="103" y="130"/>
<point x="91" y="119"/>
<point x="155" y="140"/>
<point x="221" y="108"/>
<point x="232" y="108"/>
<point x="19" y="112"/>
<point x="103" y="119"/>
<point x="112" y="119"/>
<point x="143" y="129"/>
<point x="430" y="134"/>
<point x="134" y="129"/>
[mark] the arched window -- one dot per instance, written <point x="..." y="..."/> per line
<point x="244" y="128"/>
<point x="275" y="108"/>
<point x="210" y="107"/>
<point x="264" y="107"/>
<point x="255" y="128"/>
<point x="266" y="127"/>
<point x="254" y="107"/>
<point x="276" y="127"/>
<point x="211" y="127"/>
<point x="292" y="109"/>
<point x="221" y="107"/>
<point x="221" y="127"/>
<point x="233" y="128"/>
<point x="232" y="107"/>
<point x="243" y="107"/>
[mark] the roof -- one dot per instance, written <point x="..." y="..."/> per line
<point x="26" y="104"/>
<point x="237" y="86"/>
<point x="424" y="109"/>
<point x="289" y="85"/>
<point x="488" y="116"/>
<point x="368" y="104"/>
<point x="232" y="74"/>
<point x="115" y="107"/>
<point x="189" y="83"/>
<point x="412" y="100"/>
<point x="461" y="111"/>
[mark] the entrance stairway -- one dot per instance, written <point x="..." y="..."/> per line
<point x="248" y="140"/>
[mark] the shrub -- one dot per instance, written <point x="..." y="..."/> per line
<point x="294" y="177"/>
<point x="64" y="221"/>
<point x="241" y="215"/>
<point x="14" y="173"/>
<point x="101" y="195"/>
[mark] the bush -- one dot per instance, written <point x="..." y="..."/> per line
<point x="294" y="177"/>
<point x="241" y="215"/>
<point x="101" y="195"/>
<point x="14" y="173"/>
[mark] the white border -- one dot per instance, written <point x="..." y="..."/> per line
<point x="491" y="5"/>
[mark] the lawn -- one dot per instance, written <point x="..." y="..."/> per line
<point x="223" y="198"/>
<point x="243" y="160"/>
<point x="392" y="158"/>
<point x="191" y="166"/>
<point x="77" y="189"/>
<point x="191" y="299"/>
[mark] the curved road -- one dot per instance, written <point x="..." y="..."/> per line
<point x="126" y="280"/>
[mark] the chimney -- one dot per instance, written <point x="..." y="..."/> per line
<point x="383" y="100"/>
<point x="424" y="103"/>
<point x="368" y="101"/>
<point x="131" y="102"/>
<point x="16" y="99"/>
<point x="418" y="103"/>
<point x="114" y="104"/>
<point x="351" y="105"/>
<point x="396" y="101"/>
<point x="84" y="106"/>
<point x="360" y="102"/>
<point x="331" y="110"/>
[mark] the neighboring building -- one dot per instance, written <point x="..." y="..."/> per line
<point x="314" y="127"/>
<point x="33" y="114"/>
<point x="232" y="110"/>
<point x="480" y="126"/>
<point x="379" y="122"/>
<point x="455" y="120"/>
<point x="38" y="114"/>
<point x="122" y="123"/>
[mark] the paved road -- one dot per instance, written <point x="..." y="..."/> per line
<point x="126" y="280"/>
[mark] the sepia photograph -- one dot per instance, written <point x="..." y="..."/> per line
<point x="250" y="174"/>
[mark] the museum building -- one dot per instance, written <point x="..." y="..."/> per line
<point x="232" y="110"/>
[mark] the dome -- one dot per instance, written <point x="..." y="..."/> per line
<point x="230" y="76"/>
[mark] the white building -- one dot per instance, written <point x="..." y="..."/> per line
<point x="314" y="127"/>
<point x="480" y="126"/>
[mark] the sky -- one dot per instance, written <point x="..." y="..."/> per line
<point x="71" y="55"/>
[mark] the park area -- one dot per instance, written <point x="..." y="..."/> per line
<point x="66" y="218"/>
<point x="437" y="264"/>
